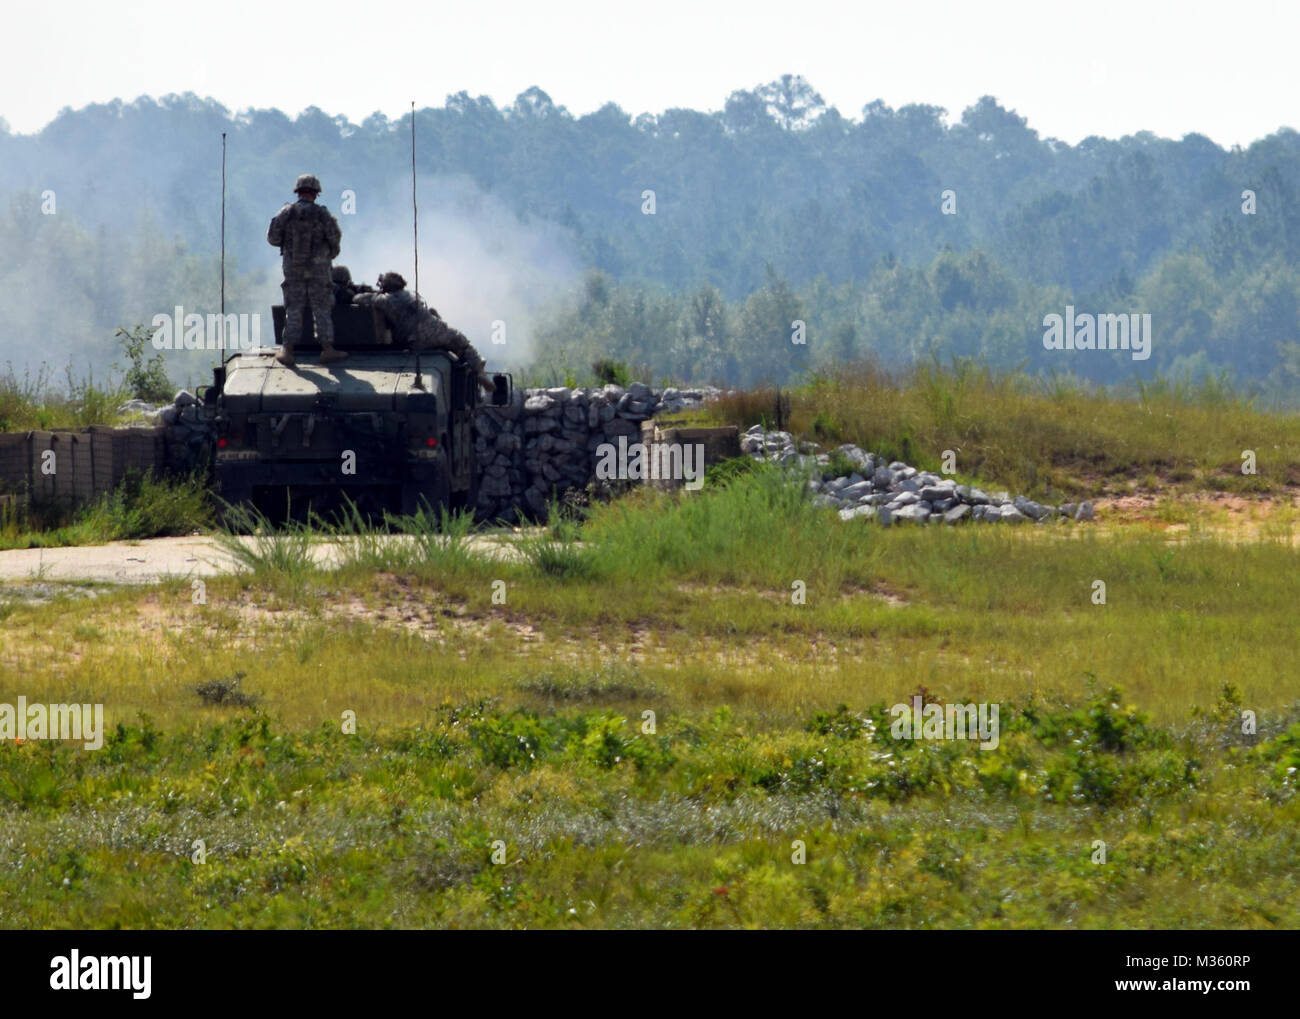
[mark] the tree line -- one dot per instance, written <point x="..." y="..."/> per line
<point x="895" y="232"/>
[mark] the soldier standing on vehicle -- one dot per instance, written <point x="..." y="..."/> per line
<point x="413" y="322"/>
<point x="308" y="238"/>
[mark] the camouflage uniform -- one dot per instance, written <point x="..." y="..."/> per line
<point x="414" y="323"/>
<point x="344" y="287"/>
<point x="308" y="238"/>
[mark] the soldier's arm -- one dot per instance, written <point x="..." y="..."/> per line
<point x="333" y="235"/>
<point x="276" y="233"/>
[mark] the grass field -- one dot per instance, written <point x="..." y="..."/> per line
<point x="648" y="717"/>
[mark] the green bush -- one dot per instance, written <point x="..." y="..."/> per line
<point x="145" y="506"/>
<point x="144" y="379"/>
<point x="519" y="740"/>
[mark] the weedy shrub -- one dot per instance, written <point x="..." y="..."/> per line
<point x="226" y="691"/>
<point x="839" y="465"/>
<point x="145" y="506"/>
<point x="268" y="550"/>
<point x="841" y="723"/>
<point x="607" y="371"/>
<point x="142" y="506"/>
<point x="559" y="560"/>
<point x="92" y="404"/>
<point x="605" y="741"/>
<point x="429" y="541"/>
<point x="440" y="541"/>
<point x="518" y="740"/>
<point x="144" y="379"/>
<point x="1105" y="723"/>
<point x="22" y="398"/>
<point x="1282" y="752"/>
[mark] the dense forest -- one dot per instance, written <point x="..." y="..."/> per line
<point x="687" y="244"/>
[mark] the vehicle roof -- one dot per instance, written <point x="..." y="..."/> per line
<point x="365" y="381"/>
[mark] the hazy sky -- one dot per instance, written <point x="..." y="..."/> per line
<point x="1102" y="67"/>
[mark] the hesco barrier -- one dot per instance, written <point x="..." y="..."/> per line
<point x="545" y="442"/>
<point x="75" y="466"/>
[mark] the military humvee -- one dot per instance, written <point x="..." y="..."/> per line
<point x="389" y="428"/>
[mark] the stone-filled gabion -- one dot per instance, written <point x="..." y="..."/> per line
<point x="545" y="441"/>
<point x="892" y="493"/>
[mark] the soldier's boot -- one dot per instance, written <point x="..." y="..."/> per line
<point x="329" y="355"/>
<point x="285" y="357"/>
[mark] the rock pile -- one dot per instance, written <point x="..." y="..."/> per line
<point x="891" y="493"/>
<point x="544" y="442"/>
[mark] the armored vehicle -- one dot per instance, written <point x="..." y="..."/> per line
<point x="390" y="428"/>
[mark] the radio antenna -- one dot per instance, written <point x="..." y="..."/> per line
<point x="222" y="329"/>
<point x="415" y="212"/>
<point x="415" y="229"/>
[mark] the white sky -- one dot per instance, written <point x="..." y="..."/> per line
<point x="1101" y="67"/>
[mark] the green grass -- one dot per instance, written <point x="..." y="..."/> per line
<point x="237" y="822"/>
<point x="143" y="506"/>
<point x="507" y="699"/>
<point x="1047" y="438"/>
<point x="34" y="402"/>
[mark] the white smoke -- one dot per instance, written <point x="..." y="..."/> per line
<point x="485" y="271"/>
<point x="479" y="265"/>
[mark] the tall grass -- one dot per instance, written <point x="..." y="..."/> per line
<point x="755" y="528"/>
<point x="430" y="542"/>
<point x="1049" y="437"/>
<point x="34" y="401"/>
<point x="427" y="543"/>
<point x="267" y="550"/>
<point x="142" y="506"/>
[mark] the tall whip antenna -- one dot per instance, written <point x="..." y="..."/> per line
<point x="415" y="227"/>
<point x="223" y="247"/>
<point x="415" y="213"/>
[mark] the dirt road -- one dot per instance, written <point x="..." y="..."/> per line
<point x="147" y="562"/>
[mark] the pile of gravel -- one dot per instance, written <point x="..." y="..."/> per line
<point x="891" y="493"/>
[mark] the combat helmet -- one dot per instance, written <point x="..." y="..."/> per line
<point x="306" y="182"/>
<point x="390" y="281"/>
<point x="341" y="275"/>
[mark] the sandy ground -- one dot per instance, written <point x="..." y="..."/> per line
<point x="147" y="562"/>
